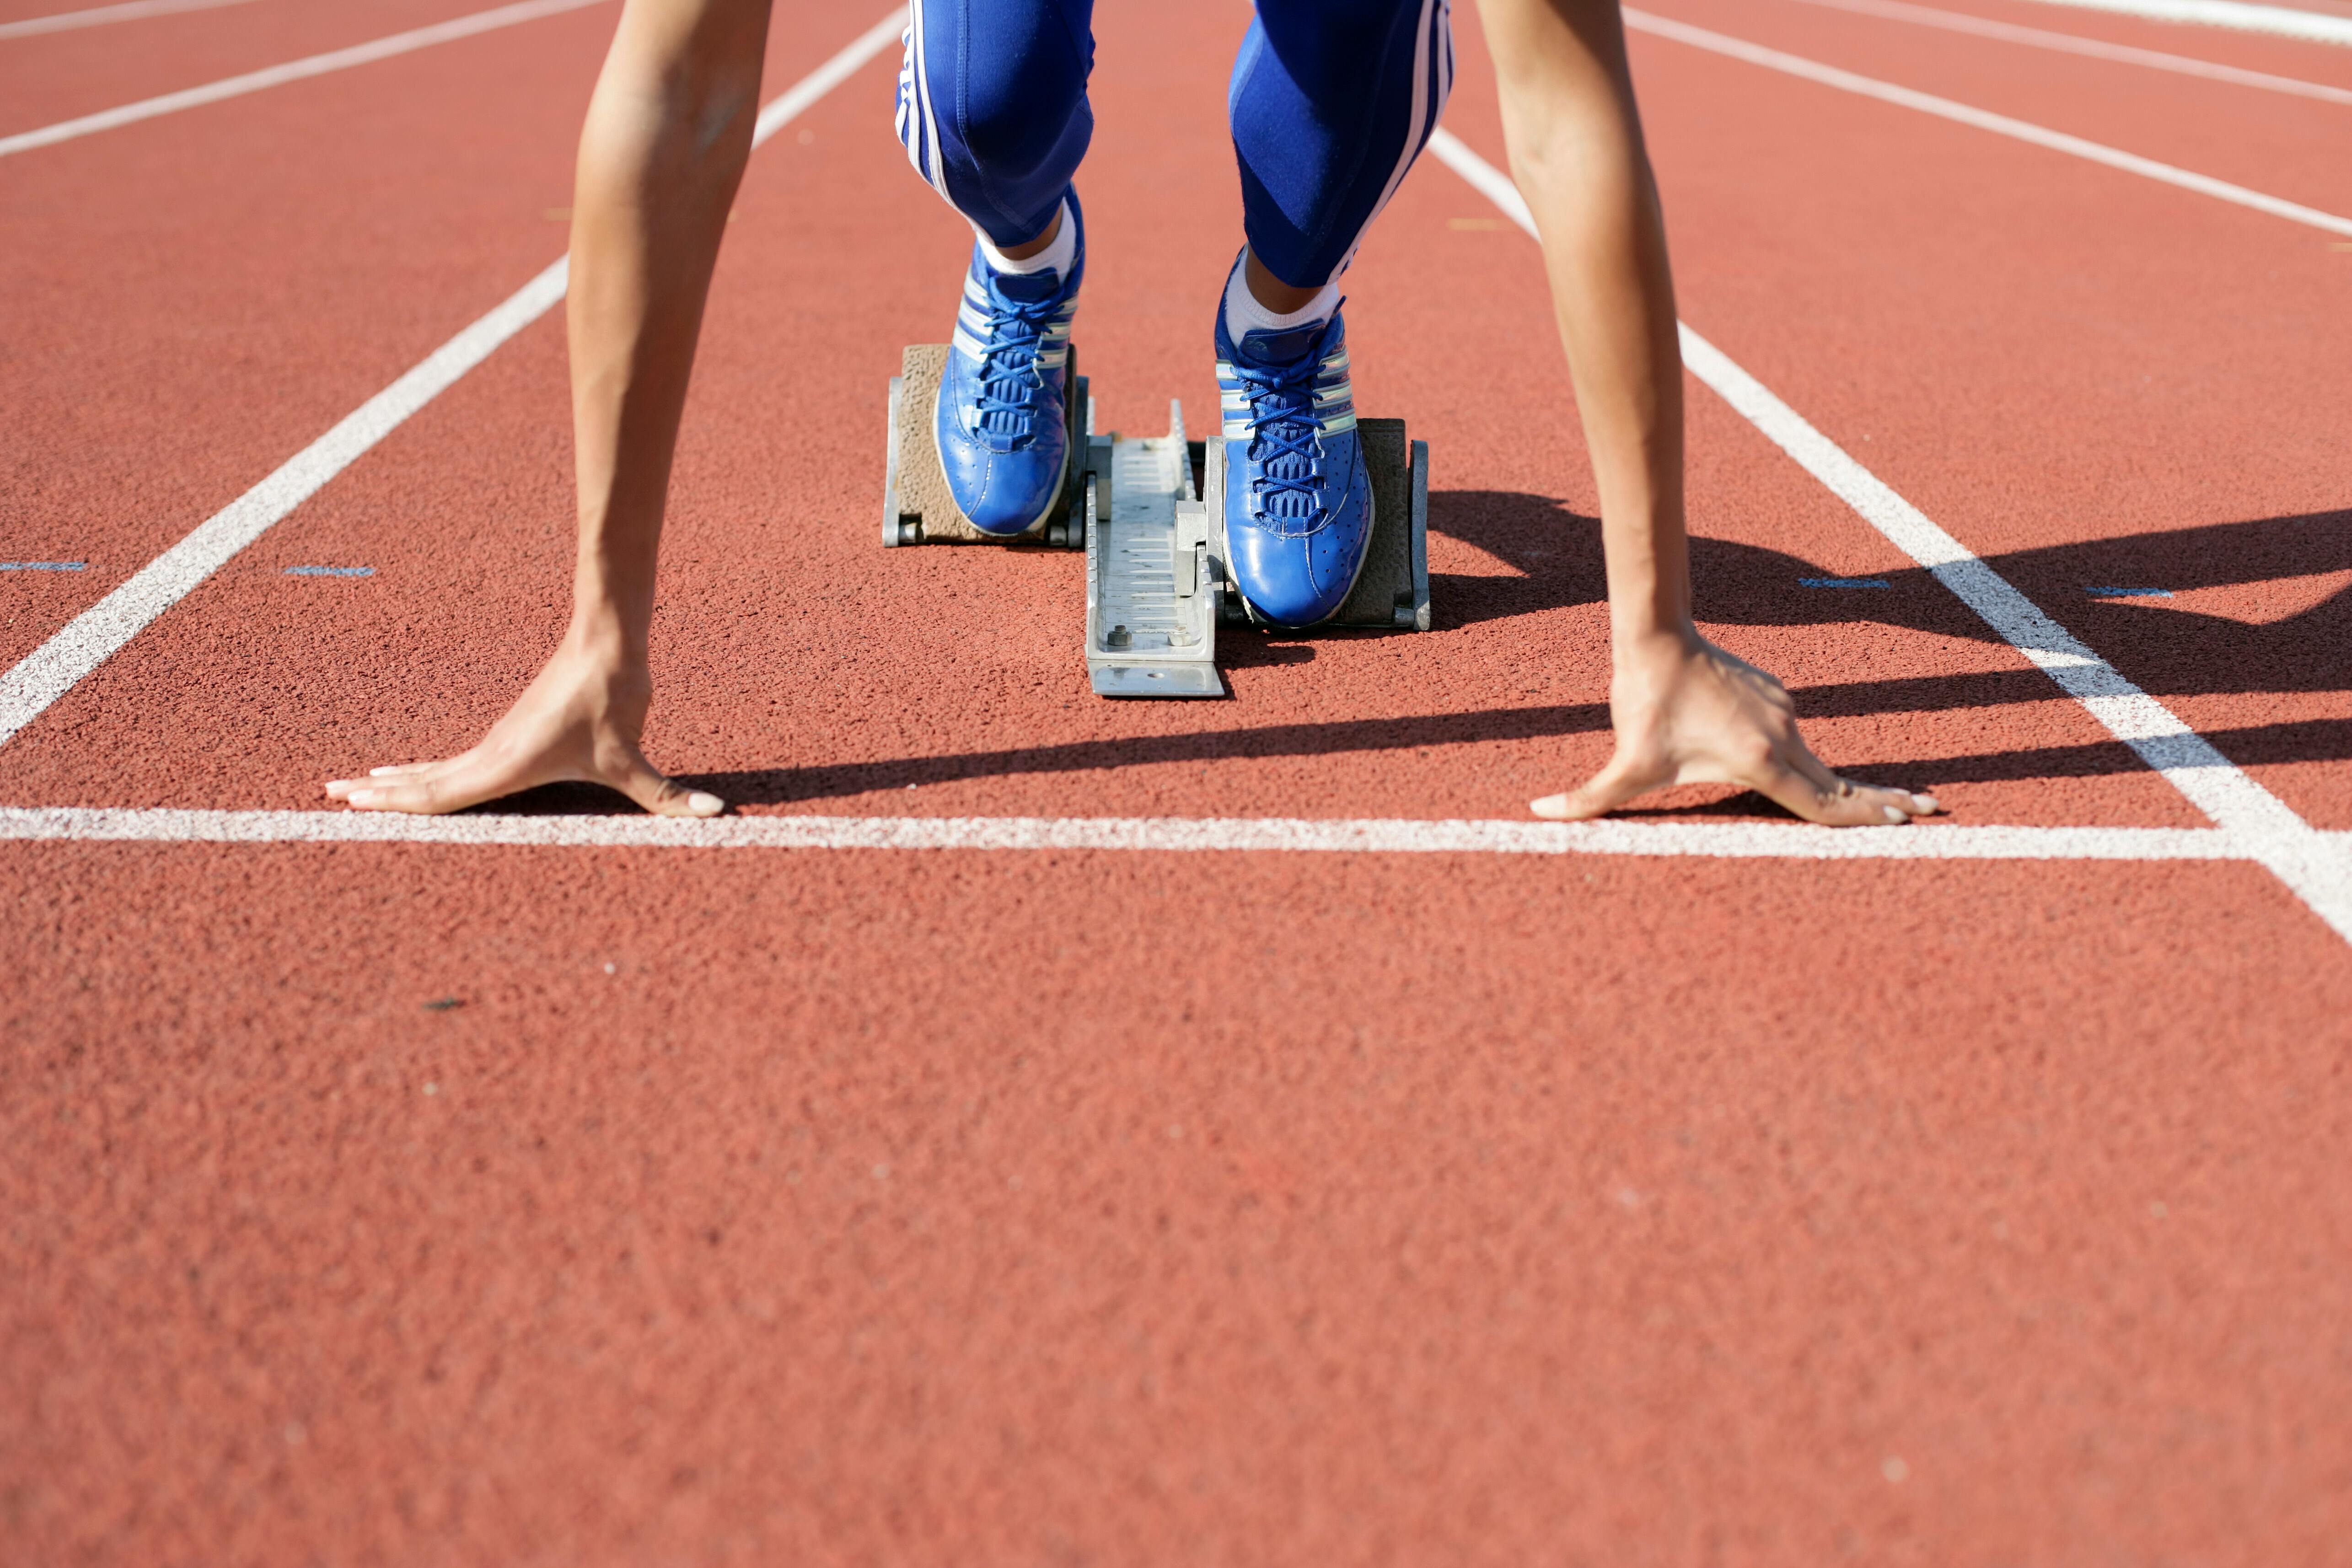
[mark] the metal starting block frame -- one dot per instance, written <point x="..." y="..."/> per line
<point x="1153" y="588"/>
<point x="1158" y="582"/>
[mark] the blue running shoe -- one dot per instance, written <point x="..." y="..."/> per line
<point x="1298" y="505"/>
<point x="998" y="420"/>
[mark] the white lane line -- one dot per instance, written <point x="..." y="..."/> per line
<point x="100" y="16"/>
<point x="1984" y="120"/>
<point x="2091" y="48"/>
<point x="91" y="637"/>
<point x="292" y="70"/>
<point x="2301" y="856"/>
<point x="1377" y="836"/>
<point x="2288" y="21"/>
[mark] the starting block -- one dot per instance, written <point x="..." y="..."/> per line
<point x="1149" y="511"/>
<point x="915" y="506"/>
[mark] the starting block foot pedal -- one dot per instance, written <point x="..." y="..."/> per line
<point x="1158" y="582"/>
<point x="1392" y="592"/>
<point x="916" y="507"/>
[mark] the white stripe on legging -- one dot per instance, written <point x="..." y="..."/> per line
<point x="1432" y="63"/>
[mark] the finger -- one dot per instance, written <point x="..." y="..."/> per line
<point x="438" y="787"/>
<point x="1842" y="803"/>
<point x="422" y="796"/>
<point x="665" y="796"/>
<point x="379" y="778"/>
<point x="1845" y="798"/>
<point x="1602" y="794"/>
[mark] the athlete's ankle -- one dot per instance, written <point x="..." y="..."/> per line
<point x="1053" y="250"/>
<point x="1245" y="311"/>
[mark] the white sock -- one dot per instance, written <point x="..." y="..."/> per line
<point x="1057" y="255"/>
<point x="1244" y="315"/>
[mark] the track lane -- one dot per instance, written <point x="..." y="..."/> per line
<point x="1622" y="1221"/>
<point x="257" y="254"/>
<point x="2174" y="428"/>
<point x="2233" y="44"/>
<point x="209" y="297"/>
<point x="56" y="76"/>
<point x="2282" y="147"/>
<point x="2165" y="60"/>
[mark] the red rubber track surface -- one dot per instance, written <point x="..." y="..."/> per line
<point x="1081" y="1207"/>
<point x="52" y="77"/>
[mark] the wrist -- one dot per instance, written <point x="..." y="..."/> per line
<point x="1651" y="640"/>
<point x="606" y="634"/>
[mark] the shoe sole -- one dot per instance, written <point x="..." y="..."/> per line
<point x="1061" y="477"/>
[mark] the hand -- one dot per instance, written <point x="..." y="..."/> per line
<point x="1687" y="713"/>
<point x="579" y="721"/>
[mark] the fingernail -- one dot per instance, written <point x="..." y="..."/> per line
<point x="1925" y="803"/>
<point x="362" y="797"/>
<point x="703" y="804"/>
<point x="1893" y="816"/>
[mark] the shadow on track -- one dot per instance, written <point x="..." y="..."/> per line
<point x="2167" y="650"/>
<point x="774" y="786"/>
<point x="2184" y="646"/>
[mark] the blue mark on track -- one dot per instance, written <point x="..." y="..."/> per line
<point x="1843" y="582"/>
<point x="42" y="565"/>
<point x="2129" y="593"/>
<point x="331" y="571"/>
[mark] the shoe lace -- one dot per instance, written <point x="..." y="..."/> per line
<point x="1286" y="441"/>
<point x="1011" y="381"/>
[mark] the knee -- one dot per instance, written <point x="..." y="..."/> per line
<point x="1014" y="122"/>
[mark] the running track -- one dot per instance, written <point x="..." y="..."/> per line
<point x="1249" y="1205"/>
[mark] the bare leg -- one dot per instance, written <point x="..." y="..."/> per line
<point x="669" y="132"/>
<point x="1684" y="710"/>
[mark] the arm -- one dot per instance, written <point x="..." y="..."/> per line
<point x="1684" y="710"/>
<point x="667" y="134"/>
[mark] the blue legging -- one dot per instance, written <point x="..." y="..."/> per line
<point x="1330" y="102"/>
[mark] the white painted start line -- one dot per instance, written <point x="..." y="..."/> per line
<point x="2089" y="48"/>
<point x="102" y="16"/>
<point x="1983" y="120"/>
<point x="2286" y="21"/>
<point x="2298" y="853"/>
<point x="292" y="70"/>
<point x="1373" y="836"/>
<point x="91" y="637"/>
